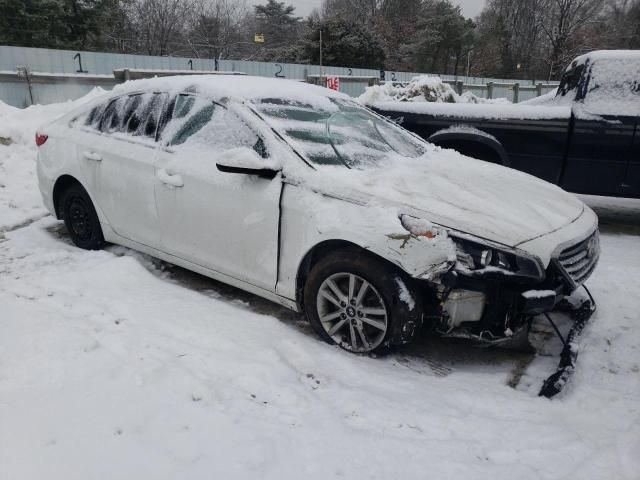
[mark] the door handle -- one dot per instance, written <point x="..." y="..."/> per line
<point x="166" y="177"/>
<point x="92" y="156"/>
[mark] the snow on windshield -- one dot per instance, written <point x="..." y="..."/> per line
<point x="614" y="87"/>
<point x="342" y="134"/>
<point x="606" y="83"/>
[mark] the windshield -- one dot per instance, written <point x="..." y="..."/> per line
<point x="338" y="132"/>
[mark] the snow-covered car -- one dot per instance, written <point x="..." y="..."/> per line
<point x="302" y="196"/>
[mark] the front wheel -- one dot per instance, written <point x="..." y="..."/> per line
<point x="351" y="299"/>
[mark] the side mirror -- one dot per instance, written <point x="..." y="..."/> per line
<point x="246" y="161"/>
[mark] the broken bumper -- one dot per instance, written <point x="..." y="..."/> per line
<point x="569" y="355"/>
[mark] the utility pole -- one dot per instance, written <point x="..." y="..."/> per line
<point x="321" y="72"/>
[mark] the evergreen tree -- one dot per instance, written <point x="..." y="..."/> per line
<point x="281" y="30"/>
<point x="344" y="43"/>
<point x="52" y="23"/>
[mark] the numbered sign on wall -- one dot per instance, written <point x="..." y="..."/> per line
<point x="333" y="83"/>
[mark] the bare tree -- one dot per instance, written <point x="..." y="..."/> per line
<point x="562" y="23"/>
<point x="509" y="37"/>
<point x="215" y="28"/>
<point x="156" y="26"/>
<point x="621" y="25"/>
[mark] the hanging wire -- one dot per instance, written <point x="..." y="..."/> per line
<point x="564" y="342"/>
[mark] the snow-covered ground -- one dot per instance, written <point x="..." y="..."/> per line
<point x="117" y="366"/>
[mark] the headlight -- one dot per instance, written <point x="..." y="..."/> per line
<point x="476" y="256"/>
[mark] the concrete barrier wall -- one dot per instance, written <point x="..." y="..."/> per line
<point x="82" y="70"/>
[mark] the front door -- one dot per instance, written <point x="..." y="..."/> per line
<point x="225" y="222"/>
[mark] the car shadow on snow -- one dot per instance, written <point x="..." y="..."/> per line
<point x="428" y="354"/>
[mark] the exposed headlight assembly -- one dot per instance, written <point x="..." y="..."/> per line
<point x="476" y="257"/>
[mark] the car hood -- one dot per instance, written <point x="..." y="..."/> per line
<point x="464" y="194"/>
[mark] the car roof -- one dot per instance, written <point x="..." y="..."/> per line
<point x="598" y="55"/>
<point x="233" y="86"/>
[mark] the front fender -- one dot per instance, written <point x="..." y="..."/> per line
<point x="310" y="218"/>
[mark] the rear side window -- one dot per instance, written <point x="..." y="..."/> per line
<point x="133" y="103"/>
<point x="150" y="112"/>
<point x="92" y="119"/>
<point x="135" y="115"/>
<point x="113" y="115"/>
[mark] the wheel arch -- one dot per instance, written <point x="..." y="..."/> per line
<point x="465" y="140"/>
<point x="408" y="317"/>
<point x="324" y="248"/>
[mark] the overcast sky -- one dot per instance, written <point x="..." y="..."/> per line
<point x="470" y="8"/>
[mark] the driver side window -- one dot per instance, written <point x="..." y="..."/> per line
<point x="202" y="124"/>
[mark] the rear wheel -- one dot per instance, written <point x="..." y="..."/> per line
<point x="81" y="219"/>
<point x="350" y="299"/>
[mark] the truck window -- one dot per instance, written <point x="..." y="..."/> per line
<point x="572" y="82"/>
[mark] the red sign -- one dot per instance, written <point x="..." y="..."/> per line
<point x="333" y="83"/>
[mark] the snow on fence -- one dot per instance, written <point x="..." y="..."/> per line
<point x="57" y="75"/>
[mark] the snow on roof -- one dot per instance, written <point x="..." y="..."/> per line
<point x="233" y="86"/>
<point x="609" y="55"/>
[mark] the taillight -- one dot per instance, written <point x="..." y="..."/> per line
<point x="40" y="139"/>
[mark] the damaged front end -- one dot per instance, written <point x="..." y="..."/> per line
<point x="492" y="294"/>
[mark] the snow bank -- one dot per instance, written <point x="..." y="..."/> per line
<point x="431" y="96"/>
<point x="115" y="365"/>
<point x="423" y="88"/>
<point x="19" y="196"/>
<point x="546" y="99"/>
<point x="20" y="125"/>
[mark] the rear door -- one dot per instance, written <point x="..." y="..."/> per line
<point x="124" y="154"/>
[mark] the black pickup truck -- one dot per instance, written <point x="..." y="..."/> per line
<point x="585" y="138"/>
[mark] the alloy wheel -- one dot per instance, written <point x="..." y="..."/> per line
<point x="352" y="312"/>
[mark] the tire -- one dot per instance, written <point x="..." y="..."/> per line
<point x="80" y="218"/>
<point x="368" y="321"/>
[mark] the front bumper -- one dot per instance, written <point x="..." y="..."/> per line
<point x="511" y="300"/>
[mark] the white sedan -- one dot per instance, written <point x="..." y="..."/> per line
<point x="302" y="196"/>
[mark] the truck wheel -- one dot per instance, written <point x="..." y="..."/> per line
<point x="351" y="300"/>
<point x="80" y="218"/>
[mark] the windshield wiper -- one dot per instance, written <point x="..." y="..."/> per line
<point x="328" y="135"/>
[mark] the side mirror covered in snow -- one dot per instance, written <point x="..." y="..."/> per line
<point x="247" y="161"/>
